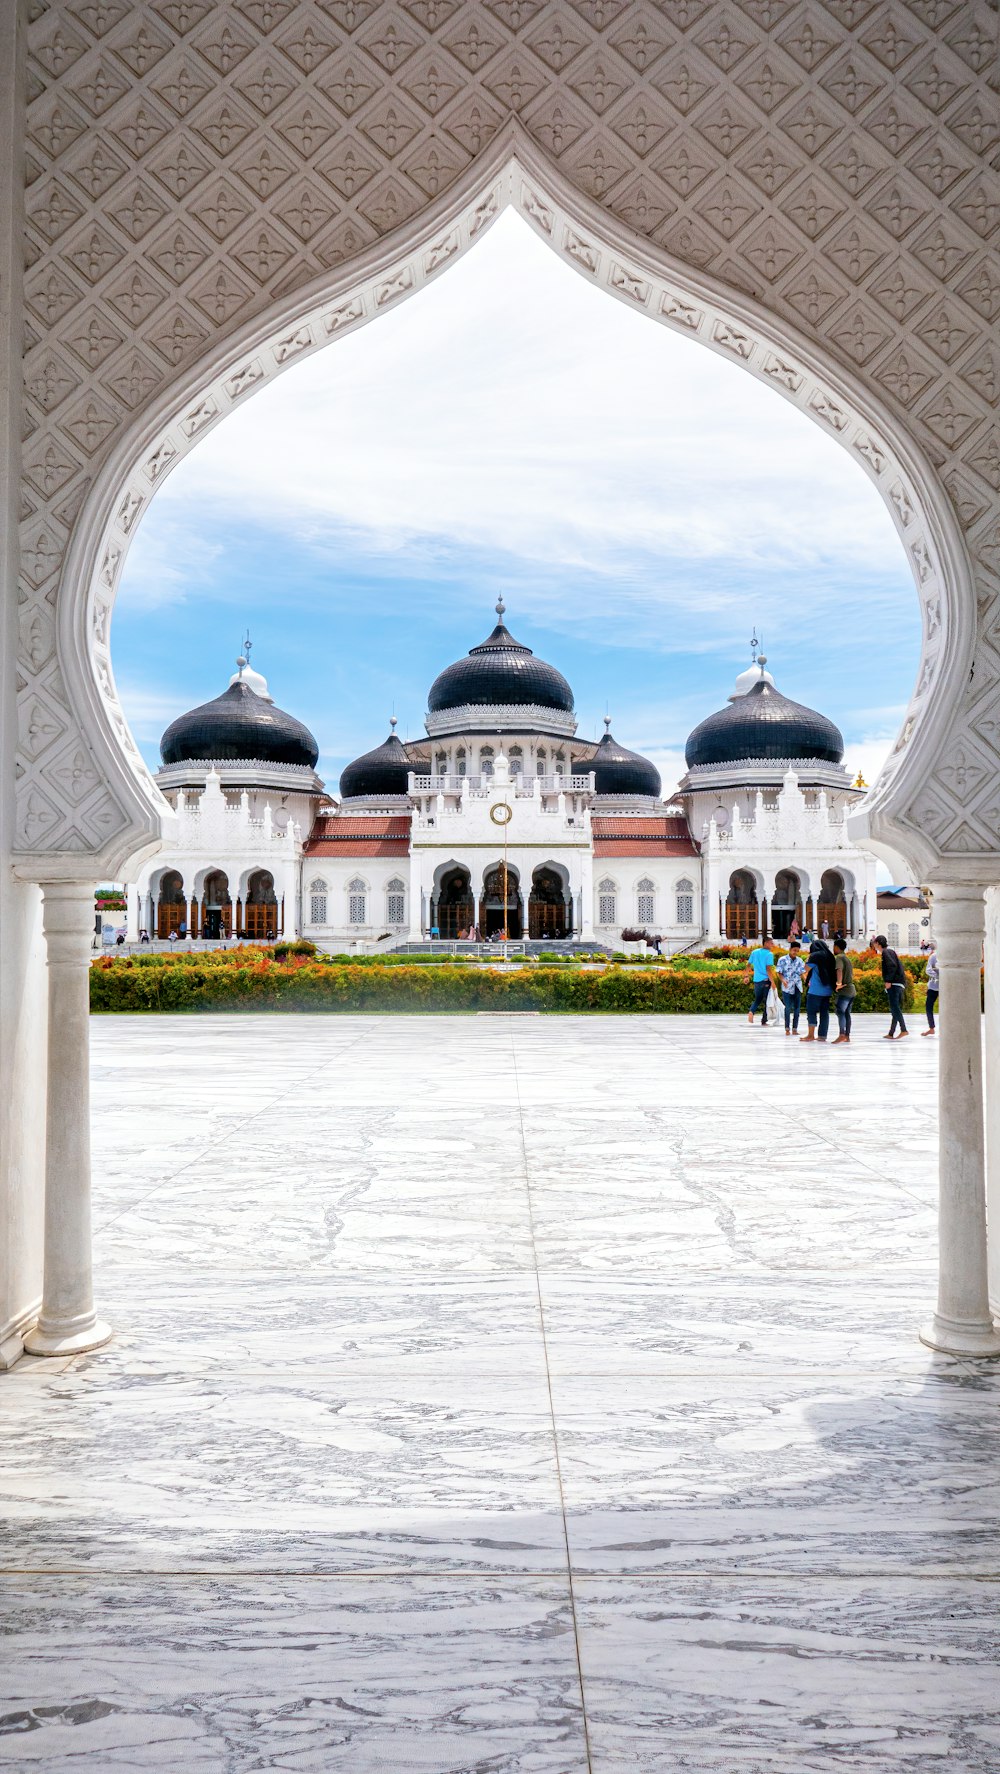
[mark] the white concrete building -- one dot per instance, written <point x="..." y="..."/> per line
<point x="502" y="820"/>
<point x="240" y="775"/>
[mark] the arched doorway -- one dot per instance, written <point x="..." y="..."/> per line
<point x="216" y="906"/>
<point x="742" y="907"/>
<point x="831" y="907"/>
<point x="456" y="906"/>
<point x="261" y="914"/>
<point x="548" y="910"/>
<point x="916" y="805"/>
<point x="786" y="904"/>
<point x="500" y="906"/>
<point x="171" y="906"/>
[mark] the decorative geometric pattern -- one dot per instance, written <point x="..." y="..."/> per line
<point x="192" y="165"/>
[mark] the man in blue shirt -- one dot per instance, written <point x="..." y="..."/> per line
<point x="760" y="969"/>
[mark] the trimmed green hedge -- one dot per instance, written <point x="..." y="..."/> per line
<point x="192" y="982"/>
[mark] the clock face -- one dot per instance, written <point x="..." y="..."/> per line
<point x="502" y="813"/>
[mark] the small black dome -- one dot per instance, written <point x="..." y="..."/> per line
<point x="764" y="725"/>
<point x="500" y="672"/>
<point x="621" y="772"/>
<point x="238" y="725"/>
<point x="380" y="772"/>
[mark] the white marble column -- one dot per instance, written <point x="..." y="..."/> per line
<point x="67" y="1323"/>
<point x="992" y="1090"/>
<point x="962" y="1324"/>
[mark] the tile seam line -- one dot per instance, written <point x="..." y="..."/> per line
<point x="735" y="1573"/>
<point x="552" y="1411"/>
<point x="294" y="1083"/>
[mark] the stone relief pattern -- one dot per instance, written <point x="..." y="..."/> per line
<point x="191" y="162"/>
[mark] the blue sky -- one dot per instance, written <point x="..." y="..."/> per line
<point x="640" y="502"/>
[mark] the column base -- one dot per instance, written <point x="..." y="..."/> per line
<point x="954" y="1336"/>
<point x="69" y="1342"/>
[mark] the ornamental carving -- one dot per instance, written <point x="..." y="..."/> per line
<point x="192" y="167"/>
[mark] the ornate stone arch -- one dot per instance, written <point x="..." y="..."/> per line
<point x="125" y="816"/>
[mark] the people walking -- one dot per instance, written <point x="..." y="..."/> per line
<point x="845" y="988"/>
<point x="894" y="980"/>
<point x="821" y="977"/>
<point x="760" y="969"/>
<point x="791" y="968"/>
<point x="933" y="986"/>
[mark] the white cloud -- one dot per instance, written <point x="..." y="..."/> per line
<point x="514" y="408"/>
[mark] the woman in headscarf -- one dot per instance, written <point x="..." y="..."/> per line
<point x="820" y="978"/>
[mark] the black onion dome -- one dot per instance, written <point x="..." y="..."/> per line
<point x="764" y="725"/>
<point x="238" y="725"/>
<point x="500" y="672"/>
<point x="621" y="772"/>
<point x="380" y="772"/>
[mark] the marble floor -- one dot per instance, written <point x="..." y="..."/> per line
<point x="504" y="1395"/>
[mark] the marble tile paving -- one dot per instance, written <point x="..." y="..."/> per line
<point x="504" y="1395"/>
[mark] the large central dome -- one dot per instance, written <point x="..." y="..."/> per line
<point x="502" y="673"/>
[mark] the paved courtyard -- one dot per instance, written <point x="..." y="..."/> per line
<point x="504" y="1395"/>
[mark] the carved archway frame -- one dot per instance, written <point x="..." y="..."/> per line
<point x="587" y="236"/>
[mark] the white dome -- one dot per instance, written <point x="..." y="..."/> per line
<point x="754" y="674"/>
<point x="254" y="680"/>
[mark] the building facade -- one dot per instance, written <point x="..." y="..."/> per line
<point x="501" y="821"/>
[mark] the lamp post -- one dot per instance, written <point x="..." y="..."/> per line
<point x="501" y="813"/>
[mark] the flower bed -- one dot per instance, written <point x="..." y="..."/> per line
<point x="252" y="979"/>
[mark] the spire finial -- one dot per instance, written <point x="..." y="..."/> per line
<point x="754" y="644"/>
<point x="393" y="723"/>
<point x="607" y="723"/>
<point x="500" y="607"/>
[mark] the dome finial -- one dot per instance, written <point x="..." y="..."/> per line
<point x="500" y="607"/>
<point x="607" y="723"/>
<point x="754" y="644"/>
<point x="393" y="723"/>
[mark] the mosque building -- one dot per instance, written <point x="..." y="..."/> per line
<point x="502" y="819"/>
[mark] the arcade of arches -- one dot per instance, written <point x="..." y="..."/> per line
<point x="212" y="915"/>
<point x="749" y="914"/>
<point x="820" y="208"/>
<point x="496" y="906"/>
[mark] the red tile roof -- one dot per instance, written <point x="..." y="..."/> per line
<point x="636" y="836"/>
<point x="383" y="834"/>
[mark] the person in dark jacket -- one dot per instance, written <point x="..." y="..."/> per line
<point x="894" y="980"/>
<point x="821" y="978"/>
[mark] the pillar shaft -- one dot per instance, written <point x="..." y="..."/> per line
<point x="962" y="1324"/>
<point x="992" y="1086"/>
<point x="67" y="1323"/>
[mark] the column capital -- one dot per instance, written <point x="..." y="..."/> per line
<point x="959" y="922"/>
<point x="68" y="921"/>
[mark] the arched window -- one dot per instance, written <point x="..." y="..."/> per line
<point x="460" y="760"/>
<point x="486" y="761"/>
<point x="395" y="902"/>
<point x="441" y="763"/>
<point x="893" y="935"/>
<point x="516" y="760"/>
<point x="540" y="765"/>
<point x="913" y="936"/>
<point x="317" y="902"/>
<point x="357" y="902"/>
<point x="607" y="903"/>
<point x="645" y="901"/>
<point x="685" y="902"/>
